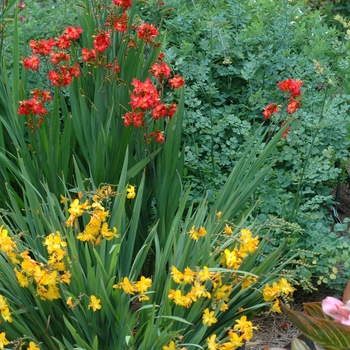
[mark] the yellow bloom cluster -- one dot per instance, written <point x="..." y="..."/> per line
<point x="97" y="227"/>
<point x="196" y="279"/>
<point x="139" y="287"/>
<point x="272" y="293"/>
<point x="46" y="276"/>
<point x="232" y="259"/>
<point x="243" y="327"/>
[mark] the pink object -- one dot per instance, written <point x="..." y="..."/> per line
<point x="337" y="309"/>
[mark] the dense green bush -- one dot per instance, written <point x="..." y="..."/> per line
<point x="232" y="54"/>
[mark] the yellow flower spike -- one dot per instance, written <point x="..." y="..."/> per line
<point x="218" y="215"/>
<point x="131" y="192"/>
<point x="276" y="307"/>
<point x="69" y="302"/>
<point x="21" y="279"/>
<point x="208" y="317"/>
<point x="3" y="340"/>
<point x="32" y="346"/>
<point x="95" y="303"/>
<point x="204" y="275"/>
<point x="107" y="233"/>
<point x="63" y="199"/>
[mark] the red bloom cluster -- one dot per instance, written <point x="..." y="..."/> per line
<point x="123" y="3"/>
<point x="147" y="32"/>
<point x="160" y="70"/>
<point x="145" y="95"/>
<point x="64" y="74"/>
<point x="292" y="88"/>
<point x="102" y="41"/>
<point x="34" y="107"/>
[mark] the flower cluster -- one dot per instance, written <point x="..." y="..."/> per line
<point x="97" y="228"/>
<point x="4" y="309"/>
<point x="34" y="108"/>
<point x="139" y="287"/>
<point x="291" y="88"/>
<point x="272" y="293"/>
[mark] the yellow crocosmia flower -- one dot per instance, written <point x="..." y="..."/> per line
<point x="198" y="290"/>
<point x="69" y="302"/>
<point x="143" y="297"/>
<point x="107" y="233"/>
<point x="76" y="208"/>
<point x="21" y="279"/>
<point x="232" y="260"/>
<point x="32" y="346"/>
<point x="50" y="278"/>
<point x="218" y="215"/>
<point x="270" y="293"/>
<point x="52" y="293"/>
<point x="242" y="324"/>
<point x="126" y="285"/>
<point x="6" y="314"/>
<point x="170" y="346"/>
<point x="208" y="317"/>
<point x="228" y="230"/>
<point x="54" y="243"/>
<point x="221" y="292"/>
<point x="177" y="275"/>
<point x="204" y="275"/>
<point x="86" y="236"/>
<point x="131" y="192"/>
<point x="65" y="277"/>
<point x="202" y="231"/>
<point x="235" y="340"/>
<point x="224" y="307"/>
<point x="188" y="275"/>
<point x="95" y="303"/>
<point x="3" y="302"/>
<point x="211" y="343"/>
<point x="194" y="234"/>
<point x="276" y="307"/>
<point x="285" y="286"/>
<point x="28" y="265"/>
<point x="143" y="284"/>
<point x="3" y="340"/>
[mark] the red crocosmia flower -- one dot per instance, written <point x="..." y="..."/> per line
<point x="176" y="81"/>
<point x="63" y="76"/>
<point x="147" y="32"/>
<point x="72" y="32"/>
<point x="284" y="135"/>
<point x="128" y="119"/>
<point x="32" y="63"/>
<point x="270" y="109"/>
<point x="57" y="57"/>
<point x="88" y="55"/>
<point x="75" y="70"/>
<point x="291" y="86"/>
<point x="137" y="119"/>
<point x="293" y="106"/>
<point x="159" y="111"/>
<point x="144" y="96"/>
<point x="123" y="3"/>
<point x="42" y="47"/>
<point x="120" y="24"/>
<point x="63" y="42"/>
<point x="21" y="5"/>
<point x="42" y="95"/>
<point x="159" y="135"/>
<point x="102" y="41"/>
<point x="172" y="109"/>
<point x="160" y="70"/>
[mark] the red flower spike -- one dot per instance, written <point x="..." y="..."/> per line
<point x="72" y="32"/>
<point x="147" y="32"/>
<point x="120" y="24"/>
<point x="123" y="3"/>
<point x="159" y="111"/>
<point x="159" y="135"/>
<point x="160" y="70"/>
<point x="270" y="109"/>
